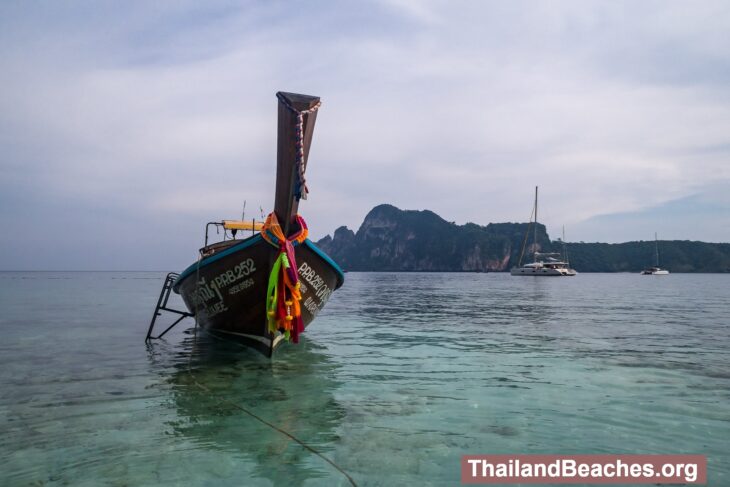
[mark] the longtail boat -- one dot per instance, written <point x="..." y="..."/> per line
<point x="265" y="289"/>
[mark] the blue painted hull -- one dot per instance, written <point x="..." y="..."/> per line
<point x="227" y="291"/>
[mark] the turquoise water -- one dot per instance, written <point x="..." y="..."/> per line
<point x="396" y="379"/>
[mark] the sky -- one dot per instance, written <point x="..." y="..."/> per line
<point x="126" y="126"/>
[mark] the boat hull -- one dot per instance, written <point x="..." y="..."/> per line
<point x="227" y="291"/>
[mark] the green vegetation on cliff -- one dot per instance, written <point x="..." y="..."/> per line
<point x="391" y="239"/>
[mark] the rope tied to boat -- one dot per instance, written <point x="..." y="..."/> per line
<point x="300" y="190"/>
<point x="283" y="295"/>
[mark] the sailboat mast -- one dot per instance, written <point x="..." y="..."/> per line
<point x="534" y="258"/>
<point x="656" y="249"/>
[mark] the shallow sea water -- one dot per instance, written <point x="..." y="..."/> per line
<point x="400" y="376"/>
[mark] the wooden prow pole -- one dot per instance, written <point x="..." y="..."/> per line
<point x="285" y="204"/>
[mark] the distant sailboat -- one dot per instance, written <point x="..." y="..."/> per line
<point x="656" y="270"/>
<point x="544" y="263"/>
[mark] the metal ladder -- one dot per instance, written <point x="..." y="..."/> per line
<point x="162" y="306"/>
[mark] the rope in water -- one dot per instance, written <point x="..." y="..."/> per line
<point x="259" y="418"/>
<point x="301" y="190"/>
<point x="246" y="410"/>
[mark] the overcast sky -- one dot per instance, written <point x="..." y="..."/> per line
<point x="125" y="127"/>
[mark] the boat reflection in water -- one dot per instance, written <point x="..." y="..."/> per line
<point x="214" y="387"/>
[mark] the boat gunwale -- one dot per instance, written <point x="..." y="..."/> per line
<point x="244" y="244"/>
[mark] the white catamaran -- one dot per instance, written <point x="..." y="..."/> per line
<point x="656" y="270"/>
<point x="544" y="263"/>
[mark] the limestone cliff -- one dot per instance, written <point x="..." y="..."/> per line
<point x="391" y="239"/>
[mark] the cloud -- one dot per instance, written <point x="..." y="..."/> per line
<point x="704" y="213"/>
<point x="166" y="113"/>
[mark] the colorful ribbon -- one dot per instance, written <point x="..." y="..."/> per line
<point x="283" y="308"/>
<point x="300" y="189"/>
